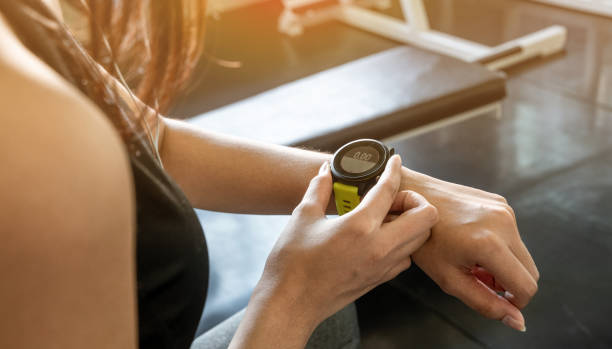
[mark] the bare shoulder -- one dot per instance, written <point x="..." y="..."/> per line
<point x="53" y="140"/>
<point x="67" y="213"/>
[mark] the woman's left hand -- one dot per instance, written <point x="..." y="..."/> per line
<point x="475" y="249"/>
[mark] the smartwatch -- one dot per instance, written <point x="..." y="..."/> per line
<point x="356" y="167"/>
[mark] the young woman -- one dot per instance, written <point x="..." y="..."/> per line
<point x="100" y="245"/>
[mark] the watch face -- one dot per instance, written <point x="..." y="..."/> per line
<point x="359" y="162"/>
<point x="360" y="159"/>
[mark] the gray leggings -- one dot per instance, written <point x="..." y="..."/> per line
<point x="340" y="331"/>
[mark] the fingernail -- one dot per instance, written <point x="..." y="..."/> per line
<point x="324" y="168"/>
<point x="514" y="323"/>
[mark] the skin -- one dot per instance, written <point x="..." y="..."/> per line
<point x="68" y="272"/>
<point x="360" y="250"/>
<point x="465" y="239"/>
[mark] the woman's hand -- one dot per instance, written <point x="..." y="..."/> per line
<point x="320" y="265"/>
<point x="475" y="250"/>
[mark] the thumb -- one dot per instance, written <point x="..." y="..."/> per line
<point x="316" y="198"/>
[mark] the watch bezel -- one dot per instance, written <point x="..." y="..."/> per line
<point x="357" y="178"/>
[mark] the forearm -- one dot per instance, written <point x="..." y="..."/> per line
<point x="231" y="174"/>
<point x="223" y="173"/>
<point x="274" y="319"/>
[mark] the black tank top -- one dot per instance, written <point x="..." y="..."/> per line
<point x="172" y="259"/>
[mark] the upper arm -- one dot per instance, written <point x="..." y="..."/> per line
<point x="66" y="221"/>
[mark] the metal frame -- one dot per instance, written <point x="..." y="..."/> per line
<point x="598" y="7"/>
<point x="415" y="30"/>
<point x="216" y="7"/>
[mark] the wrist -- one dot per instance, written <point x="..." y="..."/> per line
<point x="412" y="180"/>
<point x="281" y="311"/>
<point x="431" y="188"/>
<point x="290" y="296"/>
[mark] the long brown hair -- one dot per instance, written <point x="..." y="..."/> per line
<point x="150" y="47"/>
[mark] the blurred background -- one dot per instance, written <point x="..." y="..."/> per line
<point x="247" y="34"/>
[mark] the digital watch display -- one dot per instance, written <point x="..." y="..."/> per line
<point x="356" y="167"/>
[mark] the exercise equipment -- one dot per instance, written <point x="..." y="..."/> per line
<point x="598" y="7"/>
<point x="415" y="30"/>
<point x="366" y="98"/>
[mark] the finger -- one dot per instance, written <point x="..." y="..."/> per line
<point x="509" y="272"/>
<point x="520" y="250"/>
<point x="487" y="278"/>
<point x="378" y="200"/>
<point x="406" y="200"/>
<point x="316" y="198"/>
<point x="523" y="255"/>
<point x="481" y="298"/>
<point x="412" y="228"/>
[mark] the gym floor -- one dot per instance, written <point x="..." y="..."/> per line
<point x="550" y="155"/>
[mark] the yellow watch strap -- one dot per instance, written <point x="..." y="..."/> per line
<point x="347" y="197"/>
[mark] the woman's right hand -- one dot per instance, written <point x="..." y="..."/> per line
<point x="320" y="265"/>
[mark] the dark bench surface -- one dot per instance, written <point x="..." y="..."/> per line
<point x="374" y="97"/>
